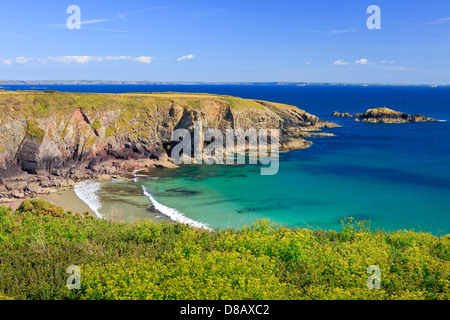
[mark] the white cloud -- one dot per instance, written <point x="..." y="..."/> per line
<point x="144" y="59"/>
<point x="342" y="31"/>
<point x="77" y="59"/>
<point x="22" y="60"/>
<point x="110" y="58"/>
<point x="341" y="62"/>
<point x="74" y="59"/>
<point x="189" y="56"/>
<point x="94" y="21"/>
<point x="361" y="62"/>
<point x="121" y="16"/>
<point x="439" y="21"/>
<point x="385" y="61"/>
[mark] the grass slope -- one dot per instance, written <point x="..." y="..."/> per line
<point x="42" y="104"/>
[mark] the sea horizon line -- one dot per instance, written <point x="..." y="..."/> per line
<point x="148" y="82"/>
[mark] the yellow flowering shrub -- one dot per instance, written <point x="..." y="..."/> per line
<point x="148" y="260"/>
<point x="213" y="276"/>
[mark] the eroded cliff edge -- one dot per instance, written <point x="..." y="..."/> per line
<point x="51" y="139"/>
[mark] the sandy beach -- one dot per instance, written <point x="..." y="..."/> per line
<point x="120" y="202"/>
<point x="65" y="197"/>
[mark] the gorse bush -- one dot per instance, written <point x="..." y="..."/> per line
<point x="45" y="208"/>
<point x="212" y="275"/>
<point x="149" y="260"/>
<point x="41" y="207"/>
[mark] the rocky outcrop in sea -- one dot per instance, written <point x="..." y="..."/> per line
<point x="384" y="115"/>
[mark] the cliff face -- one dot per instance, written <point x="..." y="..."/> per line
<point x="72" y="135"/>
<point x="384" y="115"/>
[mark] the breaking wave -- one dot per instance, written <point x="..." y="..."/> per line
<point x="87" y="191"/>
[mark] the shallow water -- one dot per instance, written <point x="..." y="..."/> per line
<point x="125" y="201"/>
<point x="308" y="192"/>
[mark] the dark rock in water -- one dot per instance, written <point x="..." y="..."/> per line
<point x="195" y="179"/>
<point x="152" y="209"/>
<point x="184" y="192"/>
<point x="384" y="115"/>
<point x="339" y="114"/>
<point x="258" y="209"/>
<point x="247" y="210"/>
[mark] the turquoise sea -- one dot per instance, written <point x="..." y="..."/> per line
<point x="395" y="175"/>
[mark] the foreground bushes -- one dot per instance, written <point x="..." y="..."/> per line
<point x="172" y="261"/>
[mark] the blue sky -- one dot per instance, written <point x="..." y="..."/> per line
<point x="215" y="40"/>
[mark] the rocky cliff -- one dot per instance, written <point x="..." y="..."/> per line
<point x="384" y="115"/>
<point x="51" y="139"/>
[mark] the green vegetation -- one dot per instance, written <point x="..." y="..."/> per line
<point x="149" y="260"/>
<point x="33" y="131"/>
<point x="40" y="207"/>
<point x="381" y="110"/>
<point x="35" y="104"/>
<point x="96" y="125"/>
<point x="110" y="131"/>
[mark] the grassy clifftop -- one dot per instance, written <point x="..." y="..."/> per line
<point x="43" y="104"/>
<point x="174" y="261"/>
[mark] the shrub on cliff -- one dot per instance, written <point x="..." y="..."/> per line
<point x="41" y="207"/>
<point x="33" y="131"/>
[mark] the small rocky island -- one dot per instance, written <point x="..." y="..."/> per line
<point x="384" y="115"/>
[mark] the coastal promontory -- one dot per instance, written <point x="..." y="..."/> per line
<point x="52" y="139"/>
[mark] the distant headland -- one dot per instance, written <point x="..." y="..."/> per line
<point x="273" y="83"/>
